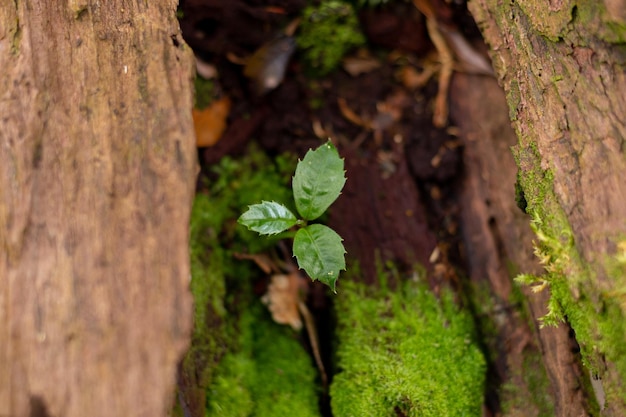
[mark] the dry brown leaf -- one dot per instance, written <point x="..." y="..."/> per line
<point x="470" y="60"/>
<point x="282" y="299"/>
<point x="205" y="70"/>
<point x="266" y="67"/>
<point x="210" y="122"/>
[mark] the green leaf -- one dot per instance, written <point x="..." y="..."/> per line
<point x="320" y="253"/>
<point x="318" y="181"/>
<point x="268" y="218"/>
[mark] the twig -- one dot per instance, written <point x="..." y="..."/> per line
<point x="309" y="323"/>
<point x="440" y="116"/>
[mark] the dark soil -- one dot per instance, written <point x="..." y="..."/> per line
<point x="411" y="187"/>
<point x="387" y="206"/>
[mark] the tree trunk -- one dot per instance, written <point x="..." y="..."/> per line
<point x="97" y="167"/>
<point x="562" y="66"/>
<point x="535" y="371"/>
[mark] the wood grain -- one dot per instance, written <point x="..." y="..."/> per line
<point x="97" y="168"/>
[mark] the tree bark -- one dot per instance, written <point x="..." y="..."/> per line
<point x="498" y="244"/>
<point x="561" y="64"/>
<point x="97" y="167"/>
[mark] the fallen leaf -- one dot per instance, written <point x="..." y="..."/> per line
<point x="210" y="122"/>
<point x="471" y="61"/>
<point x="266" y="67"/>
<point x="205" y="70"/>
<point x="282" y="299"/>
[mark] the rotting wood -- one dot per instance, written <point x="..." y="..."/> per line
<point x="97" y="168"/>
<point x="561" y="66"/>
<point x="498" y="241"/>
<point x="381" y="217"/>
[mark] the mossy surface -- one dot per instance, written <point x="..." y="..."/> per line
<point x="598" y="320"/>
<point x="270" y="376"/>
<point x="204" y="92"/>
<point x="234" y="339"/>
<point x="405" y="352"/>
<point x="600" y="21"/>
<point x="328" y="31"/>
<point x="208" y="341"/>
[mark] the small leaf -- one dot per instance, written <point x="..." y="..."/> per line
<point x="282" y="298"/>
<point x="210" y="122"/>
<point x="268" y="218"/>
<point x="318" y="181"/>
<point x="320" y="253"/>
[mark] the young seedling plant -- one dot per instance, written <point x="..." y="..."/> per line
<point x="317" y="183"/>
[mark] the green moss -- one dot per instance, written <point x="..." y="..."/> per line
<point x="208" y="341"/>
<point x="264" y="371"/>
<point x="547" y="21"/>
<point x="217" y="279"/>
<point x="593" y="17"/>
<point x="616" y="32"/>
<point x="204" y="92"/>
<point x="597" y="319"/>
<point x="328" y="31"/>
<point x="370" y="3"/>
<point x="405" y="353"/>
<point x="271" y="376"/>
<point x="514" y="99"/>
<point x="616" y="270"/>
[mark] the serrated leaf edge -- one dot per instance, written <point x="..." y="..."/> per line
<point x="297" y="221"/>
<point x="334" y="284"/>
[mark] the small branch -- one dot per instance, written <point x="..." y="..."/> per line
<point x="440" y="116"/>
<point x="309" y="323"/>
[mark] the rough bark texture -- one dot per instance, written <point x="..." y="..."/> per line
<point x="498" y="245"/>
<point x="97" y="166"/>
<point x="561" y="64"/>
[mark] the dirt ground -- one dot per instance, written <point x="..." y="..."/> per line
<point x="443" y="197"/>
<point x="395" y="148"/>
